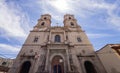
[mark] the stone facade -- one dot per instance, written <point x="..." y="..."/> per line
<point x="110" y="57"/>
<point x="57" y="49"/>
<point x="5" y="64"/>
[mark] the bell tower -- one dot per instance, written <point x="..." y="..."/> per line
<point x="70" y="21"/>
<point x="43" y="22"/>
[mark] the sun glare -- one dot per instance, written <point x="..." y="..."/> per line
<point x="60" y="4"/>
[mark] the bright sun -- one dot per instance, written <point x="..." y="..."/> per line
<point x="60" y="4"/>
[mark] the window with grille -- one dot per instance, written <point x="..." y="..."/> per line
<point x="79" y="39"/>
<point x="35" y="39"/>
<point x="57" y="38"/>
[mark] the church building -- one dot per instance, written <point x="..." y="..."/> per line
<point x="56" y="49"/>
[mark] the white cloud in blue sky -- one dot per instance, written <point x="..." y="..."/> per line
<point x="99" y="18"/>
<point x="10" y="51"/>
<point x="12" y="19"/>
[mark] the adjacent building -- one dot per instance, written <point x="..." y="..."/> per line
<point x="110" y="57"/>
<point x="5" y="64"/>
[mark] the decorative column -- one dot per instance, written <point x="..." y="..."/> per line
<point x="47" y="60"/>
<point x="69" y="69"/>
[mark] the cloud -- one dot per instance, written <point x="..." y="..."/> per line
<point x="114" y="16"/>
<point x="9" y="51"/>
<point x="9" y="48"/>
<point x="61" y="5"/>
<point x="82" y="8"/>
<point x="114" y="20"/>
<point x="100" y="35"/>
<point x="12" y="19"/>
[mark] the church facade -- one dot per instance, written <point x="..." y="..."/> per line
<point x="57" y="49"/>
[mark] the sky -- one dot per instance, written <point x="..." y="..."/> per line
<point x="99" y="18"/>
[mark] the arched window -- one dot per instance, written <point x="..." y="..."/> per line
<point x="35" y="39"/>
<point x="57" y="38"/>
<point x="43" y="23"/>
<point x="25" y="67"/>
<point x="69" y="17"/>
<point x="45" y="18"/>
<point x="79" y="39"/>
<point x="89" y="67"/>
<point x="72" y="24"/>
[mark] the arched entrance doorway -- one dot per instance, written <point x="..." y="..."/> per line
<point x="57" y="64"/>
<point x="89" y="67"/>
<point x="25" y="67"/>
